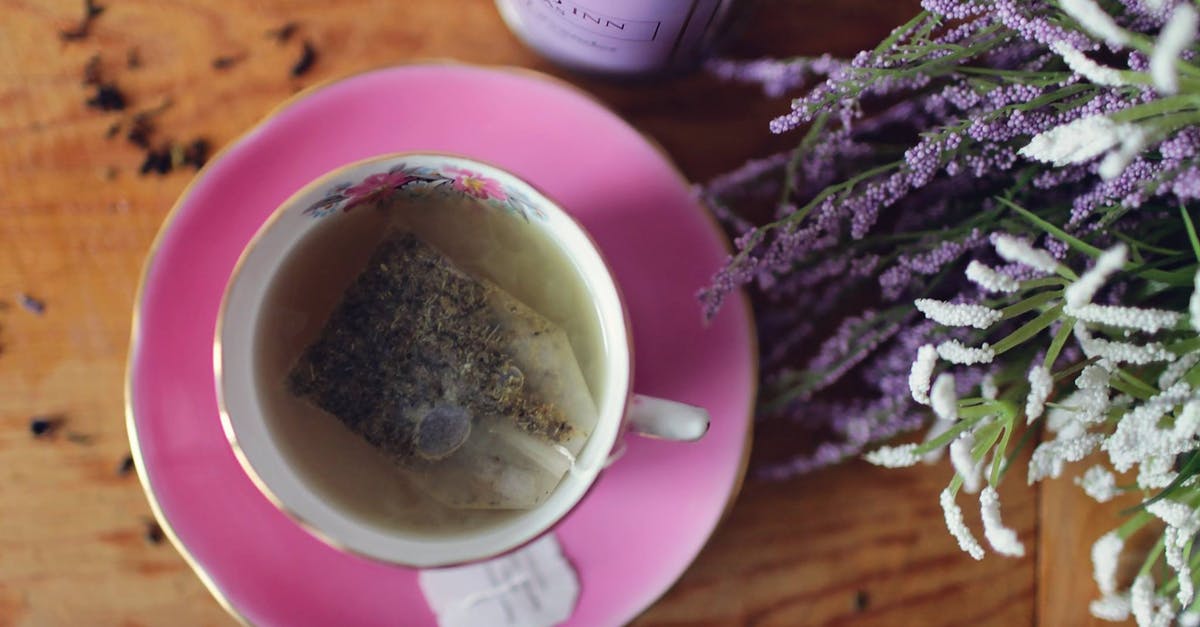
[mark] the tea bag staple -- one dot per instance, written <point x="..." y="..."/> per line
<point x="478" y="398"/>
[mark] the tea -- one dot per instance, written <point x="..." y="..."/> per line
<point x="428" y="440"/>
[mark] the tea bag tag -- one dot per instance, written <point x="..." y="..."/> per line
<point x="533" y="586"/>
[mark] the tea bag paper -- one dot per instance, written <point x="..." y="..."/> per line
<point x="478" y="398"/>
<point x="534" y="586"/>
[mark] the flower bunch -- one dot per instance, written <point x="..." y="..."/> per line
<point x="988" y="220"/>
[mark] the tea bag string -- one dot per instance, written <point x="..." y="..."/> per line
<point x="566" y="452"/>
<point x="575" y="469"/>
<point x="617" y="454"/>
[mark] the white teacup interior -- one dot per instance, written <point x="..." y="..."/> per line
<point x="344" y="195"/>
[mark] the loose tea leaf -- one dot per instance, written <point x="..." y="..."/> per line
<point x="108" y="97"/>
<point x="91" y="71"/>
<point x="308" y="56"/>
<point x="33" y="305"/>
<point x="91" y="11"/>
<point x="141" y="128"/>
<point x="157" y="160"/>
<point x="154" y="533"/>
<point x="225" y="62"/>
<point x="196" y="153"/>
<point x="44" y="426"/>
<point x="284" y="33"/>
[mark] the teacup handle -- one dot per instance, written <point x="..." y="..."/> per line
<point x="667" y="420"/>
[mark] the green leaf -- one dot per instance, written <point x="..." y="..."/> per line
<point x="1060" y="339"/>
<point x="998" y="458"/>
<point x="1191" y="231"/>
<point x="1190" y="468"/>
<point x="1028" y="330"/>
<point x="1071" y="240"/>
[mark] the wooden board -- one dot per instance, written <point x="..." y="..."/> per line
<point x="852" y="545"/>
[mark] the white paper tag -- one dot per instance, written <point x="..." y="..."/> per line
<point x="534" y="586"/>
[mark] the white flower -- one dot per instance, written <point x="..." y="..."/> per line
<point x="1019" y="251"/>
<point x="1176" y="369"/>
<point x="1081" y="291"/>
<point x="991" y="280"/>
<point x="1115" y="162"/>
<point x="1175" y="37"/>
<point x="1094" y="20"/>
<point x="965" y="465"/>
<point x="1189" y="618"/>
<point x="1002" y="539"/>
<point x="893" y="456"/>
<point x="987" y="387"/>
<point x="1173" y="545"/>
<point x="922" y="373"/>
<point x="1173" y="513"/>
<point x="1188" y="421"/>
<point x="1098" y="483"/>
<point x="1138" y="437"/>
<point x="1106" y="554"/>
<point x="1112" y="607"/>
<point x="1156" y="472"/>
<point x="1082" y="65"/>
<point x="1040" y="386"/>
<point x="1138" y="318"/>
<point x="1141" y="600"/>
<point x="957" y="314"/>
<point x="1165" y="613"/>
<point x="1048" y="458"/>
<point x="958" y="528"/>
<point x="1085" y="406"/>
<point x="955" y="352"/>
<point x="1125" y="352"/>
<point x="1072" y="415"/>
<point x="1076" y="142"/>
<point x="1194" y="302"/>
<point x="938" y="427"/>
<point x="943" y="398"/>
<point x="1093" y="376"/>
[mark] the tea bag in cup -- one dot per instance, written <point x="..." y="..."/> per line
<point x="478" y="398"/>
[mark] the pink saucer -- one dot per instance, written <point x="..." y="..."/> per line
<point x="648" y="515"/>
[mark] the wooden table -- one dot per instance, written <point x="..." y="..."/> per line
<point x="851" y="545"/>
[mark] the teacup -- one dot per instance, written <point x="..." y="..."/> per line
<point x="354" y="187"/>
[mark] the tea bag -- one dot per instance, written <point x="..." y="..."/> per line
<point x="478" y="398"/>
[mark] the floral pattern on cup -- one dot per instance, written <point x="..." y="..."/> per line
<point x="423" y="180"/>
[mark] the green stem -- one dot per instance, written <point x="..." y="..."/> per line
<point x="1185" y="346"/>
<point x="1030" y="329"/>
<point x="1162" y="106"/>
<point x="1060" y="339"/>
<point x="1133" y="524"/>
<point x="1191" y="230"/>
<point x="945" y="437"/>
<point x="1152" y="556"/>
<point x="1029" y="304"/>
<point x="1124" y="386"/>
<point x="1050" y="281"/>
<point x="999" y="456"/>
<point x="1141" y="386"/>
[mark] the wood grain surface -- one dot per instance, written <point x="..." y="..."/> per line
<point x="852" y="545"/>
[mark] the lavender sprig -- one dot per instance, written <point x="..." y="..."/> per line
<point x="1003" y="191"/>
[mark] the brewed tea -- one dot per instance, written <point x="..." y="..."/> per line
<point x="430" y="368"/>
